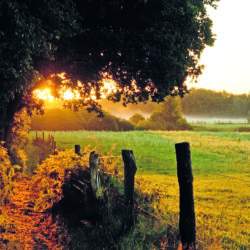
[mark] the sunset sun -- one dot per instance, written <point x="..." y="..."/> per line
<point x="108" y="87"/>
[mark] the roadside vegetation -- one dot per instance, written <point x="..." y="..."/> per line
<point x="221" y="177"/>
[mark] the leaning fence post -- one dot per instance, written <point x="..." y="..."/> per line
<point x="77" y="149"/>
<point x="185" y="178"/>
<point x="129" y="180"/>
<point x="94" y="179"/>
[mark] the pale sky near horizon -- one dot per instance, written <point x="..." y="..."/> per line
<point x="227" y="63"/>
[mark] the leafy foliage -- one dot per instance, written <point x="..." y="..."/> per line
<point x="136" y="118"/>
<point x="53" y="173"/>
<point x="20" y="139"/>
<point x="167" y="116"/>
<point x="7" y="171"/>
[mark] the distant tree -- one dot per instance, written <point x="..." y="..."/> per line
<point x="136" y="118"/>
<point x="203" y="102"/>
<point x="156" y="44"/>
<point x="170" y="110"/>
<point x="167" y="116"/>
<point x="124" y="125"/>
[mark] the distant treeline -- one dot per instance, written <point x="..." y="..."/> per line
<point x="202" y="102"/>
<point x="199" y="102"/>
<point x="166" y="116"/>
<point x="60" y="119"/>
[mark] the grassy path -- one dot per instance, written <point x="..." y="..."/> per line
<point x="26" y="228"/>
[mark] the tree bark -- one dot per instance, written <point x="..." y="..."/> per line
<point x="12" y="107"/>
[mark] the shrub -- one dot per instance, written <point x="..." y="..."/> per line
<point x="53" y="173"/>
<point x="182" y="124"/>
<point x="124" y="125"/>
<point x="20" y="139"/>
<point x="7" y="171"/>
<point x="243" y="129"/>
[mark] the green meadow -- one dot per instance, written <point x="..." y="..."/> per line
<point x="221" y="170"/>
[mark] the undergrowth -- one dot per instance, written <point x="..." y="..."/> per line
<point x="64" y="189"/>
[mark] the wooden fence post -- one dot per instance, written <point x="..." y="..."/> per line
<point x="52" y="142"/>
<point x="55" y="149"/>
<point x="129" y="180"/>
<point x="187" y="224"/>
<point x="78" y="149"/>
<point x="43" y="136"/>
<point x="93" y="164"/>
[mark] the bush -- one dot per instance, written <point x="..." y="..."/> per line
<point x="243" y="129"/>
<point x="7" y="171"/>
<point x="53" y="173"/>
<point x="124" y="125"/>
<point x="20" y="139"/>
<point x="182" y="124"/>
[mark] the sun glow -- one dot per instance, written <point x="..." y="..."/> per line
<point x="108" y="87"/>
<point x="69" y="94"/>
<point x="43" y="94"/>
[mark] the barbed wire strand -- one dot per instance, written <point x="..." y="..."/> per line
<point x="162" y="162"/>
<point x="158" y="218"/>
<point x="110" y="157"/>
<point x="222" y="175"/>
<point x="202" y="171"/>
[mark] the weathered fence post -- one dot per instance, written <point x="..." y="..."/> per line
<point x="52" y="142"/>
<point x="129" y="180"/>
<point x="185" y="178"/>
<point x="93" y="164"/>
<point x="78" y="149"/>
<point x="55" y="149"/>
<point x="43" y="136"/>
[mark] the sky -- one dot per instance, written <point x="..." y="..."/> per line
<point x="227" y="63"/>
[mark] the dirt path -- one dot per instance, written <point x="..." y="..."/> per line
<point x="29" y="229"/>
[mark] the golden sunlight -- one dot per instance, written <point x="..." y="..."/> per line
<point x="68" y="94"/>
<point x="108" y="87"/>
<point x="43" y="94"/>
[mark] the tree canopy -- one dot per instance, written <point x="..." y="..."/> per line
<point x="148" y="47"/>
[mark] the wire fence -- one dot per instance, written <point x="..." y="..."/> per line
<point x="201" y="203"/>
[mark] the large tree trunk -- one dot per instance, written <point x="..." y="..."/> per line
<point x="7" y="118"/>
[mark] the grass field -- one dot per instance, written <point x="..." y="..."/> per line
<point x="221" y="172"/>
<point x="222" y="127"/>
